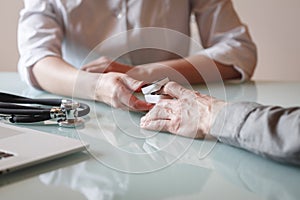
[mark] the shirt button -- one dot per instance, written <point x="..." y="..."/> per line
<point x="120" y="15"/>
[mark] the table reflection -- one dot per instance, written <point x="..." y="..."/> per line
<point x="267" y="178"/>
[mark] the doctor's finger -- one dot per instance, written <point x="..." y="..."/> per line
<point x="95" y="69"/>
<point x="133" y="103"/>
<point x="104" y="61"/>
<point x="132" y="84"/>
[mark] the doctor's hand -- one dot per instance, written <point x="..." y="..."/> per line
<point x="104" y="65"/>
<point x="189" y="114"/>
<point x="116" y="89"/>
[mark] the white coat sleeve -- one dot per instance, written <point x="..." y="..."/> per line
<point x="40" y="34"/>
<point x="224" y="37"/>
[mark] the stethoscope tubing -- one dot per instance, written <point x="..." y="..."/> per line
<point x="10" y="98"/>
<point x="10" y="105"/>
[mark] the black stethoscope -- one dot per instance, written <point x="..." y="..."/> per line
<point x="66" y="112"/>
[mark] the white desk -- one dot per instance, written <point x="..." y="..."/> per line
<point x="125" y="162"/>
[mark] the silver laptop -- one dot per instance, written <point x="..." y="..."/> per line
<point x="22" y="147"/>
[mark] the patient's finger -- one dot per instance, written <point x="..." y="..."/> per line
<point x="157" y="125"/>
<point x="175" y="90"/>
<point x="157" y="114"/>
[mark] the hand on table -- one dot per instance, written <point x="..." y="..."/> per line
<point x="189" y="114"/>
<point x="116" y="89"/>
<point x="104" y="65"/>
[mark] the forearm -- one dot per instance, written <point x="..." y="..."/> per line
<point x="116" y="89"/>
<point x="54" y="75"/>
<point x="268" y="131"/>
<point x="194" y="69"/>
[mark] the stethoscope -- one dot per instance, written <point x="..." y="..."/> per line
<point x="66" y="112"/>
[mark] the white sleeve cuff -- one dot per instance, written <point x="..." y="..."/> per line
<point x="24" y="65"/>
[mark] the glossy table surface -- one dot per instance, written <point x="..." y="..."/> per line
<point x="126" y="162"/>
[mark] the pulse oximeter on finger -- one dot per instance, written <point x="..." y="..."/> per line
<point x="153" y="92"/>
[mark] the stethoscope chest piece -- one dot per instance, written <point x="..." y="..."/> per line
<point x="71" y="123"/>
<point x="70" y="108"/>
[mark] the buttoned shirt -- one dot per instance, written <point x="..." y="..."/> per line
<point x="73" y="29"/>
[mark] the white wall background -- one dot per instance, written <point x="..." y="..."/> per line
<point x="9" y="13"/>
<point x="274" y="26"/>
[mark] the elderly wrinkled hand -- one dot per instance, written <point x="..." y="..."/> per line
<point x="189" y="114"/>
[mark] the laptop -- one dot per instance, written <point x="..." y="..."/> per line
<point x="22" y="147"/>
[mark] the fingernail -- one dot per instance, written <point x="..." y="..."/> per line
<point x="142" y="124"/>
